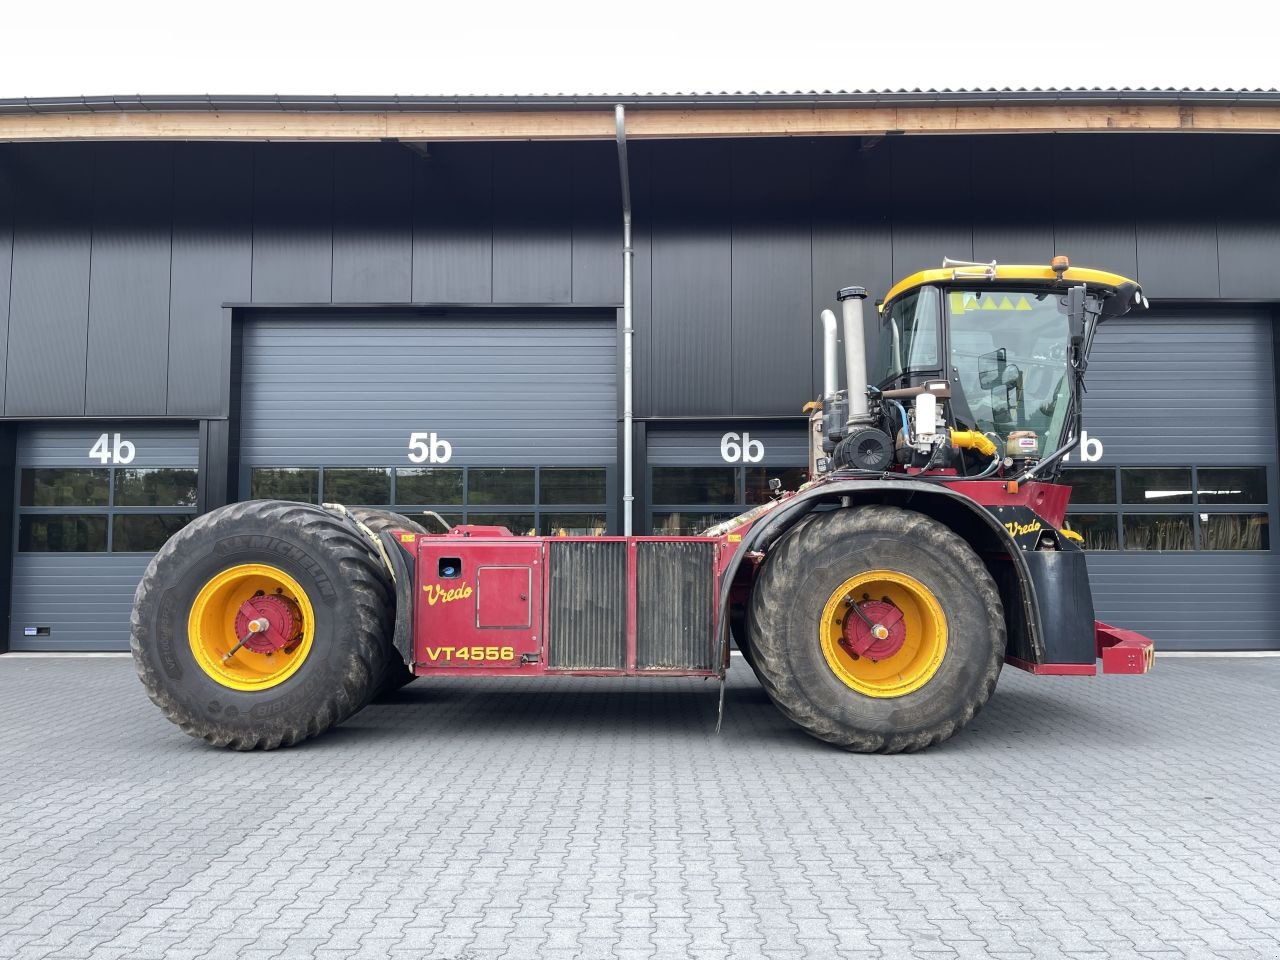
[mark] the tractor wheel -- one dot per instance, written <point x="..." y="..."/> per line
<point x="397" y="673"/>
<point x="921" y="669"/>
<point x="319" y="597"/>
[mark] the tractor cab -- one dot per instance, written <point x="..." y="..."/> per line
<point x="977" y="369"/>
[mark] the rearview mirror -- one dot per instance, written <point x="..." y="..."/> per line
<point x="991" y="369"/>
<point x="1075" y="314"/>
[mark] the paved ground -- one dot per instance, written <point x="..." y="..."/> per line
<point x="1107" y="818"/>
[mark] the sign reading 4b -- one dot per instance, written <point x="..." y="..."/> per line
<point x="109" y="449"/>
<point x="740" y="448"/>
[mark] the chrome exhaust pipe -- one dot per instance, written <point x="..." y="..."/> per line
<point x="855" y="354"/>
<point x="830" y="376"/>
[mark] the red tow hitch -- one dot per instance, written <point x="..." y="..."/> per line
<point x="1123" y="651"/>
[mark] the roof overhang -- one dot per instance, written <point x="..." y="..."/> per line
<point x="648" y="116"/>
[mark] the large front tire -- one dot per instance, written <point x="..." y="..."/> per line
<point x="923" y="666"/>
<point x="326" y="599"/>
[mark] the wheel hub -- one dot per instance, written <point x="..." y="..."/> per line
<point x="282" y="623"/>
<point x="879" y="639"/>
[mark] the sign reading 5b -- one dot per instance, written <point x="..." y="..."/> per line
<point x="740" y="448"/>
<point x="429" y="448"/>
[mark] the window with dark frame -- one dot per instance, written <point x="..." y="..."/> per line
<point x="552" y="501"/>
<point x="102" y="509"/>
<point x="684" y="501"/>
<point x="1193" y="508"/>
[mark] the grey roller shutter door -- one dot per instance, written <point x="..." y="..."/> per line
<point x="1183" y="390"/>
<point x="784" y="446"/>
<point x="502" y="390"/>
<point x="84" y="599"/>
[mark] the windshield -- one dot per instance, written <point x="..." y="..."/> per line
<point x="909" y="335"/>
<point x="1009" y="351"/>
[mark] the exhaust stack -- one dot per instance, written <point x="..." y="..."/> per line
<point x="855" y="354"/>
<point x="830" y="378"/>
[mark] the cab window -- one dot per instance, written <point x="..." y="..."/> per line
<point x="909" y="334"/>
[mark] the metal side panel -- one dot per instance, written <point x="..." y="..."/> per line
<point x="675" y="605"/>
<point x="74" y="601"/>
<point x="587" y="605"/>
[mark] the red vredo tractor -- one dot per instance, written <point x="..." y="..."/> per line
<point x="876" y="604"/>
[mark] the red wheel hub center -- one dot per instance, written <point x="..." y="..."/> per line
<point x="282" y="623"/>
<point x="880" y="644"/>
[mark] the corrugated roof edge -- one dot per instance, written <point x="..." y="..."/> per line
<point x="853" y="98"/>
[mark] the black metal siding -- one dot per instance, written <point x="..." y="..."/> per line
<point x="532" y="224"/>
<point x="212" y="263"/>
<point x="372" y="224"/>
<point x="129" y="283"/>
<point x="293" y="223"/>
<point x="6" y="271"/>
<point x="453" y="226"/>
<point x="49" y="298"/>
<point x="690" y="328"/>
<point x="738" y="243"/>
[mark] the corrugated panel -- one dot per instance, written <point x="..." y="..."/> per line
<point x="293" y="223"/>
<point x="691" y="284"/>
<point x="1191" y="601"/>
<point x="532" y="223"/>
<point x="6" y="264"/>
<point x="1194" y="390"/>
<point x="84" y="599"/>
<point x="784" y="446"/>
<point x="129" y="281"/>
<point x="372" y="233"/>
<point x="502" y="390"/>
<point x="67" y="445"/>
<point x="772" y="277"/>
<point x="212" y="265"/>
<point x="675" y="605"/>
<point x="49" y="296"/>
<point x="1167" y="390"/>
<point x="587" y="604"/>
<point x="453" y="224"/>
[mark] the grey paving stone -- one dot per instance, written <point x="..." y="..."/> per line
<point x="584" y="819"/>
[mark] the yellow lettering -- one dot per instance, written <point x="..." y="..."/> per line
<point x="1021" y="529"/>
<point x="436" y="593"/>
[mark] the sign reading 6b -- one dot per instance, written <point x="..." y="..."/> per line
<point x="740" y="448"/>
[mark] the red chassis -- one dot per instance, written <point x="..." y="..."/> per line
<point x="488" y="602"/>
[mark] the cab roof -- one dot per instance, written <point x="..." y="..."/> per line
<point x="975" y="274"/>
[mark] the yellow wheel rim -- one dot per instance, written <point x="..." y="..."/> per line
<point x="903" y="656"/>
<point x="245" y="593"/>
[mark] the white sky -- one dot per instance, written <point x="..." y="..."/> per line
<point x="579" y="46"/>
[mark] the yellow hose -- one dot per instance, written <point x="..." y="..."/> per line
<point x="973" y="440"/>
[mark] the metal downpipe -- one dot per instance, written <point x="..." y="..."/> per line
<point x="628" y="329"/>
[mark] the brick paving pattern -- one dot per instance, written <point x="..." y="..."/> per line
<point x="582" y="819"/>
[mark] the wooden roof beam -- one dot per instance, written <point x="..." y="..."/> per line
<point x="642" y="123"/>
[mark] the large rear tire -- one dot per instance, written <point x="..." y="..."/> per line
<point x="397" y="673"/>
<point x="919" y="671"/>
<point x="316" y="582"/>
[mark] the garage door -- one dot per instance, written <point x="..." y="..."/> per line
<point x="502" y="419"/>
<point x="94" y="503"/>
<point x="699" y="476"/>
<point x="1175" y="487"/>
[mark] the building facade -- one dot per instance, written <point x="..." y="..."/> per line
<point x="436" y="326"/>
